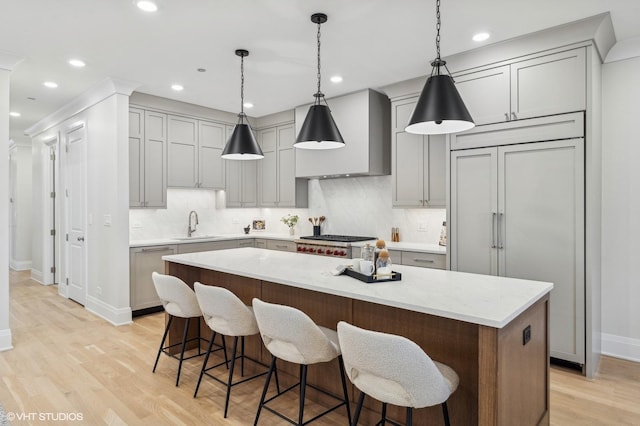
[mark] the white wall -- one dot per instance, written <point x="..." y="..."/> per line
<point x="353" y="206"/>
<point x="621" y="209"/>
<point x="5" y="331"/>
<point x="104" y="112"/>
<point x="21" y="240"/>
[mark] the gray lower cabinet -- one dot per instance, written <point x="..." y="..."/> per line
<point x="281" y="245"/>
<point x="144" y="261"/>
<point x="207" y="246"/>
<point x="260" y="243"/>
<point x="248" y="242"/>
<point x="425" y="260"/>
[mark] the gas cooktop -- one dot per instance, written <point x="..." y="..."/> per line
<point x="338" y="238"/>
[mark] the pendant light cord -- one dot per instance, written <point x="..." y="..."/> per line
<point x="438" y="29"/>
<point x="242" y="87"/>
<point x="319" y="94"/>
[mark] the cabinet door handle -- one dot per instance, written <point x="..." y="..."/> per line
<point x="493" y="230"/>
<point x="281" y="246"/>
<point x="500" y="223"/>
<point x="423" y="260"/>
<point x="506" y="116"/>
<point x="147" y="250"/>
<point x="80" y="238"/>
<point x="513" y="114"/>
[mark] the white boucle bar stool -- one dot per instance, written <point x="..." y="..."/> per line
<point x="289" y="334"/>
<point x="178" y="301"/>
<point x="394" y="370"/>
<point x="226" y="315"/>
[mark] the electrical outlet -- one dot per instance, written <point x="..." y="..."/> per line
<point x="107" y="220"/>
<point x="422" y="227"/>
<point x="98" y="290"/>
<point x="526" y="335"/>
<point x="136" y="225"/>
<point x="235" y="221"/>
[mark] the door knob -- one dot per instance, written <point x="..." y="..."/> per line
<point x="80" y="238"/>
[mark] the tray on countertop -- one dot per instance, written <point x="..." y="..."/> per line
<point x="370" y="279"/>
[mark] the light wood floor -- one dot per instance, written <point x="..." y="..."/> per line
<point x="66" y="360"/>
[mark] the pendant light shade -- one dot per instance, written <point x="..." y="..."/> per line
<point x="440" y="108"/>
<point x="242" y="144"/>
<point x="319" y="130"/>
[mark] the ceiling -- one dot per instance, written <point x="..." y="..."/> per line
<point x="371" y="43"/>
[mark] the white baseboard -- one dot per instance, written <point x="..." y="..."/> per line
<point x="20" y="265"/>
<point x="5" y="340"/>
<point x="116" y="316"/>
<point x="37" y="276"/>
<point x="621" y="347"/>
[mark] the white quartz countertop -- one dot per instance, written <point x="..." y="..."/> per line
<point x="203" y="239"/>
<point x="407" y="246"/>
<point x="479" y="299"/>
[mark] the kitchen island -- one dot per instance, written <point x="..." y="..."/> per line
<point x="492" y="331"/>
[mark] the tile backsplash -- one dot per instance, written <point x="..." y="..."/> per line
<point x="352" y="206"/>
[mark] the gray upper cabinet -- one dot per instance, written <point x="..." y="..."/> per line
<point x="147" y="159"/>
<point x="211" y="138"/>
<point x="183" y="152"/>
<point x="241" y="181"/>
<point x="418" y="164"/>
<point x="543" y="85"/>
<point x="195" y="149"/>
<point x="278" y="184"/>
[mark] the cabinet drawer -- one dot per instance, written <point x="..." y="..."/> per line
<point x="425" y="260"/>
<point x="260" y="243"/>
<point x="207" y="246"/>
<point x="281" y="245"/>
<point x="246" y="243"/>
<point x="396" y="256"/>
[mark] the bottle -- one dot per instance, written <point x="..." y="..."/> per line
<point x="383" y="264"/>
<point x="443" y="234"/>
<point x="367" y="253"/>
<point x="380" y="245"/>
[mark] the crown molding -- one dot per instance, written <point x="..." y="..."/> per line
<point x="8" y="61"/>
<point x="101" y="91"/>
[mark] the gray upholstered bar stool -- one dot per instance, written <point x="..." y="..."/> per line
<point x="394" y="370"/>
<point x="226" y="315"/>
<point x="289" y="334"/>
<point x="178" y="301"/>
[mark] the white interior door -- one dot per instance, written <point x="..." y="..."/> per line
<point x="75" y="214"/>
<point x="13" y="172"/>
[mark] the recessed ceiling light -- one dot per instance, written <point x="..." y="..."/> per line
<point x="14" y="114"/>
<point x="480" y="37"/>
<point x="147" y="6"/>
<point x="336" y="79"/>
<point x="77" y="63"/>
<point x="50" y="84"/>
<point x="201" y="70"/>
<point x="248" y="105"/>
<point x="177" y="87"/>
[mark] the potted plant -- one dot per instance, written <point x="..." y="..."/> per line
<point x="290" y="221"/>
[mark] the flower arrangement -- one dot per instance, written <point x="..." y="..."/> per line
<point x="290" y="220"/>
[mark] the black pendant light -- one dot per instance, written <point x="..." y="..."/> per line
<point x="319" y="131"/>
<point x="242" y="145"/>
<point x="440" y="108"/>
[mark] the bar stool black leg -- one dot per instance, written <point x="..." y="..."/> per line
<point x="204" y="365"/>
<point x="242" y="357"/>
<point x="184" y="343"/>
<point x="445" y="413"/>
<point x="164" y="337"/>
<point x="344" y="388"/>
<point x="384" y="414"/>
<point x="275" y="370"/>
<point x="264" y="390"/>
<point x="233" y="363"/>
<point x="409" y="416"/>
<point x="224" y="349"/>
<point x="356" y="415"/>
<point x="303" y="386"/>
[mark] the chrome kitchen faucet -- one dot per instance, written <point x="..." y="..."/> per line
<point x="192" y="229"/>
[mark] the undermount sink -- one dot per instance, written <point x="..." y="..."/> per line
<point x="196" y="237"/>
